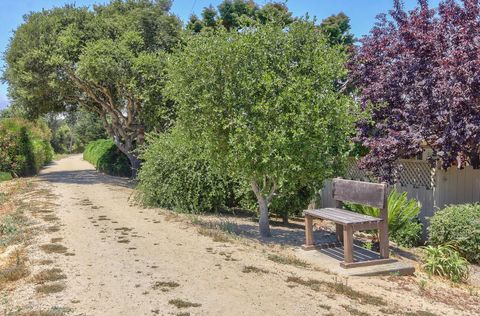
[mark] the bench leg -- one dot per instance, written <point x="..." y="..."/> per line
<point x="348" y="243"/>
<point x="339" y="231"/>
<point x="309" y="243"/>
<point x="383" y="240"/>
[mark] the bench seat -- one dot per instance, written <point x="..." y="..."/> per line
<point x="341" y="216"/>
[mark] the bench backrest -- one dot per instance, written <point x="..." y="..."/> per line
<point x="358" y="192"/>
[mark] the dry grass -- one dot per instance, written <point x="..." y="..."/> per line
<point x="53" y="229"/>
<point x="50" y="288"/>
<point x="183" y="304"/>
<point x="45" y="262"/>
<point x="216" y="235"/>
<point x="353" y="311"/>
<point x="50" y="218"/>
<point x="49" y="275"/>
<point x="252" y="269"/>
<point x="54" y="311"/>
<point x="56" y="240"/>
<point x="53" y="248"/>
<point x="339" y="288"/>
<point x="288" y="259"/>
<point x="165" y="286"/>
<point x="13" y="273"/>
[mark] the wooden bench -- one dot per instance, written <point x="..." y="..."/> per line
<point x="347" y="222"/>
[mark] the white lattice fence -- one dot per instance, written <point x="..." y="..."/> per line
<point x="417" y="173"/>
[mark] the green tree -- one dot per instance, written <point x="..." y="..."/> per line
<point x="265" y="104"/>
<point x="232" y="14"/>
<point x="109" y="60"/>
<point x="337" y="29"/>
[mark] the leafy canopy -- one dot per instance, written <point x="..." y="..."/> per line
<point x="265" y="102"/>
<point x="420" y="70"/>
<point x="110" y="60"/>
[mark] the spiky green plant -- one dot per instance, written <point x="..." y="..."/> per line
<point x="402" y="215"/>
<point x="446" y="261"/>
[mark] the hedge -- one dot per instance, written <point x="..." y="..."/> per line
<point x="24" y="146"/>
<point x="107" y="158"/>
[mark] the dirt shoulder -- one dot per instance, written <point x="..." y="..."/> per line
<point x="115" y="258"/>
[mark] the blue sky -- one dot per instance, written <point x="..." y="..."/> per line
<point x="361" y="12"/>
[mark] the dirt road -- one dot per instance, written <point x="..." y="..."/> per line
<point x="126" y="260"/>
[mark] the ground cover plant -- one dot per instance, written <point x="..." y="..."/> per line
<point x="459" y="225"/>
<point x="266" y="105"/>
<point x="106" y="157"/>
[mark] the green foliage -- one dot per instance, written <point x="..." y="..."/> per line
<point x="460" y="225"/>
<point x="87" y="127"/>
<point x="337" y="29"/>
<point x="403" y="225"/>
<point x="25" y="146"/>
<point x="5" y="176"/>
<point x="234" y="14"/>
<point x="108" y="59"/>
<point x="445" y="261"/>
<point x="176" y="175"/>
<point x="106" y="157"/>
<point x="265" y="104"/>
<point x="74" y="129"/>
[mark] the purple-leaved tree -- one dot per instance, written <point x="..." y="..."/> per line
<point x="420" y="70"/>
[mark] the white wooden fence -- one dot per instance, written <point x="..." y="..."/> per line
<point x="432" y="188"/>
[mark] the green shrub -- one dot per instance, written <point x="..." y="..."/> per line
<point x="460" y="225"/>
<point x="174" y="175"/>
<point x="403" y="224"/>
<point x="445" y="261"/>
<point x="25" y="146"/>
<point x="106" y="157"/>
<point x="5" y="176"/>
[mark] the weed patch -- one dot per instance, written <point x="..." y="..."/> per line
<point x="252" y="269"/>
<point x="13" y="273"/>
<point x="53" y="248"/>
<point x="288" y="259"/>
<point x="338" y="288"/>
<point x="45" y="262"/>
<point x="165" y="286"/>
<point x="216" y="235"/>
<point x="54" y="311"/>
<point x="183" y="304"/>
<point x="53" y="229"/>
<point x="50" y="288"/>
<point x="49" y="275"/>
<point x="354" y="311"/>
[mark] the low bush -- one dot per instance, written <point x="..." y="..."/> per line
<point x="403" y="224"/>
<point x="5" y="176"/>
<point x="24" y="146"/>
<point x="445" y="261"/>
<point x="175" y="175"/>
<point x="459" y="225"/>
<point x="106" y="157"/>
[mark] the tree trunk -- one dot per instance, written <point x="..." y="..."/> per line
<point x="263" y="223"/>
<point x="135" y="164"/>
<point x="263" y="201"/>
<point x="285" y="217"/>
